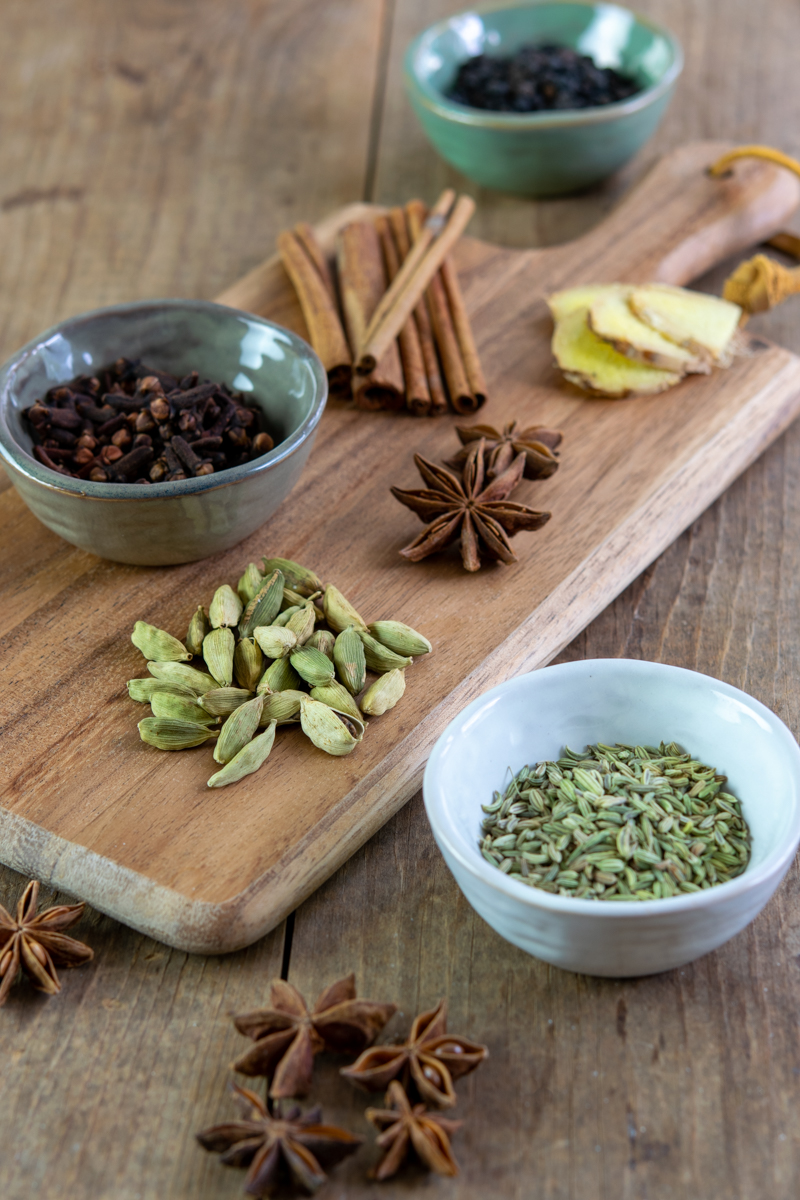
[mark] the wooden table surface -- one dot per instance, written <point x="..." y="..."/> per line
<point x="156" y="148"/>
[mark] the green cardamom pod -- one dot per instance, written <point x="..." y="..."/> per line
<point x="221" y="702"/>
<point x="180" y="708"/>
<point x="279" y="677"/>
<point x="283" y="619"/>
<point x="283" y="707"/>
<point x="301" y="623"/>
<point x="294" y="600"/>
<point x="328" y="730"/>
<point x="143" y="690"/>
<point x="313" y="666"/>
<point x="248" y="663"/>
<point x="158" y="645"/>
<point x="291" y="599"/>
<point x="275" y="641"/>
<point x="264" y="607"/>
<point x="350" y="660"/>
<point x="167" y="734"/>
<point x="378" y="657"/>
<point x="394" y="635"/>
<point x="339" y="612"/>
<point x="225" y="608"/>
<point x="218" y="648"/>
<point x="172" y="672"/>
<point x="338" y="698"/>
<point x="248" y="760"/>
<point x="249" y="583"/>
<point x="238" y="730"/>
<point x="322" y="640"/>
<point x="198" y="628"/>
<point x="300" y="579"/>
<point x="384" y="693"/>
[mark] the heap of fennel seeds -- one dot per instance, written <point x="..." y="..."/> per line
<point x="617" y="823"/>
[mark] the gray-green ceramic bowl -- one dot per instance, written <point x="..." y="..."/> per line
<point x="187" y="519"/>
<point x="542" y="153"/>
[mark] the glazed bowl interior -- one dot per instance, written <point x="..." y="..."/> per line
<point x="178" y="520"/>
<point x="271" y="366"/>
<point x="610" y="35"/>
<point x="534" y="717"/>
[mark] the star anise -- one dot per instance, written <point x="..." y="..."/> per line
<point x="287" y="1035"/>
<point x="483" y="517"/>
<point x="274" y="1146"/>
<point x="431" y="1058"/>
<point x="404" y="1128"/>
<point x="537" y="443"/>
<point x="37" y="944"/>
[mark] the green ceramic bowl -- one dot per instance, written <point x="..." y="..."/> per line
<point x="542" y="153"/>
<point x="187" y="519"/>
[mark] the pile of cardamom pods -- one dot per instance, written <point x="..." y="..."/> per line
<point x="269" y="660"/>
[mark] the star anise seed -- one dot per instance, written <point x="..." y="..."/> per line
<point x="482" y="517"/>
<point x="404" y="1128"/>
<point x="287" y="1036"/>
<point x="537" y="443"/>
<point x="36" y="943"/>
<point x="274" y="1146"/>
<point x="431" y="1059"/>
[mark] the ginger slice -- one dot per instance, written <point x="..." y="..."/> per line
<point x="595" y="366"/>
<point x="704" y="325"/>
<point x="611" y="318"/>
<point x="561" y="304"/>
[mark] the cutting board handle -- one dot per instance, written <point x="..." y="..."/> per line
<point x="679" y="221"/>
<point x="674" y="225"/>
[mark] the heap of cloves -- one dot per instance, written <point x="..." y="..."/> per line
<point x="130" y="423"/>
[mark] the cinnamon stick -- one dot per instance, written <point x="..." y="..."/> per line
<point x="463" y="332"/>
<point x="418" y="397"/>
<point x="362" y="281"/>
<point x="402" y="296"/>
<point x="308" y="240"/>
<point x="455" y="373"/>
<point x="432" y="226"/>
<point x="397" y="218"/>
<point x="318" y="304"/>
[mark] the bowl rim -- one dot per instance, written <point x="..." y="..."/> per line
<point x="774" y="866"/>
<point x="450" y="110"/>
<point x="19" y="460"/>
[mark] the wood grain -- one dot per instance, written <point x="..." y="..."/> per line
<point x="682" y="1084"/>
<point x="211" y="872"/>
<point x="150" y="148"/>
<point x="714" y="1115"/>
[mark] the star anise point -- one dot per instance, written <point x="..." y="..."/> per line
<point x="36" y="944"/>
<point x="287" y="1036"/>
<point x="404" y="1127"/>
<point x="429" y="1060"/>
<point x="537" y="442"/>
<point x="481" y="517"/>
<point x="275" y="1145"/>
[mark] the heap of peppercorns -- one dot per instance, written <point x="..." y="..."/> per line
<point x="539" y="78"/>
<point x="131" y="423"/>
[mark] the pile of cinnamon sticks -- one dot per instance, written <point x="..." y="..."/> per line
<point x="394" y="333"/>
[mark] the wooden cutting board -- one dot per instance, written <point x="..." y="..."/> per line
<point x="87" y="808"/>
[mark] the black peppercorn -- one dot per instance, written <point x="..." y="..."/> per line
<point x="538" y="78"/>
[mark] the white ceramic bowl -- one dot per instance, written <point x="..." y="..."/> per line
<point x="615" y="700"/>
